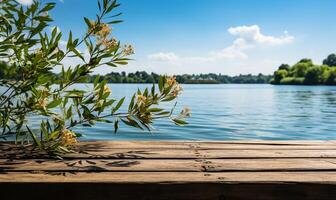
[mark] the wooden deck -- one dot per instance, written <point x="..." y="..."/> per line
<point x="174" y="170"/>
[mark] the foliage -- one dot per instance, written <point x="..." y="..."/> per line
<point x="144" y="77"/>
<point x="305" y="72"/>
<point x="284" y="67"/>
<point x="31" y="88"/>
<point x="330" y="60"/>
<point x="292" y="81"/>
<point x="211" y="78"/>
<point x="279" y="75"/>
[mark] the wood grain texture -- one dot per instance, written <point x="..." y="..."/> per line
<point x="173" y="170"/>
<point x="167" y="165"/>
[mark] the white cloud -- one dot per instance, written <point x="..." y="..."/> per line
<point x="25" y="2"/>
<point x="166" y="57"/>
<point x="252" y="35"/>
<point x="29" y="2"/>
<point x="248" y="37"/>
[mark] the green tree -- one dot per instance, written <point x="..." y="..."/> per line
<point x="284" y="66"/>
<point x="32" y="54"/>
<point x="300" y="69"/>
<point x="314" y="75"/>
<point x="330" y="60"/>
<point x="278" y="75"/>
<point x="331" y="79"/>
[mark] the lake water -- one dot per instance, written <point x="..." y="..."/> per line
<point x="237" y="112"/>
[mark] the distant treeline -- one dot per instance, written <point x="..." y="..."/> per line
<point x="211" y="78"/>
<point x="305" y="72"/>
<point x="144" y="77"/>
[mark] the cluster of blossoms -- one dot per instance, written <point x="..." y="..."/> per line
<point x="141" y="99"/>
<point x="43" y="100"/>
<point x="177" y="89"/>
<point x="110" y="44"/>
<point x="102" y="33"/>
<point x="106" y="89"/>
<point x="186" y="112"/>
<point x="128" y="50"/>
<point x="171" y="80"/>
<point x="142" y="102"/>
<point x="67" y="138"/>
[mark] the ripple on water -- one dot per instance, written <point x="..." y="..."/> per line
<point x="237" y="112"/>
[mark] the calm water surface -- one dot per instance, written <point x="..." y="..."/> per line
<point x="237" y="112"/>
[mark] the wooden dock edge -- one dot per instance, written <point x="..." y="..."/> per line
<point x="221" y="170"/>
<point x="168" y="191"/>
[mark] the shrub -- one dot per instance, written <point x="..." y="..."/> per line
<point x="292" y="81"/>
<point x="31" y="55"/>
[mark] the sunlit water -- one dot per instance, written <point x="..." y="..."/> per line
<point x="236" y="112"/>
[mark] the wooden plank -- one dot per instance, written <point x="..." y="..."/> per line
<point x="168" y="165"/>
<point x="173" y="170"/>
<point x="177" y="154"/>
<point x="168" y="177"/>
<point x="218" y="165"/>
<point x="207" y="145"/>
<point x="138" y="149"/>
<point x="286" y="153"/>
<point x="99" y="165"/>
<point x="213" y="154"/>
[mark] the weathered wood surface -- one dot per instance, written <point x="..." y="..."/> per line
<point x="173" y="170"/>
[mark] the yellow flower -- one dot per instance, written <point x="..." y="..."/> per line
<point x="45" y="93"/>
<point x="171" y="80"/>
<point x="177" y="90"/>
<point x="105" y="30"/>
<point x="141" y="99"/>
<point x="110" y="44"/>
<point x="68" y="138"/>
<point x="107" y="89"/>
<point x="186" y="112"/>
<point x="128" y="50"/>
<point x="100" y="30"/>
<point x="42" y="103"/>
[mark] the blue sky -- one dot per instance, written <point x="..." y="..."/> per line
<point x="219" y="36"/>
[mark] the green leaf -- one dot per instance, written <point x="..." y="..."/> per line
<point x="54" y="103"/>
<point x="179" y="122"/>
<point x="169" y="98"/>
<point x="54" y="135"/>
<point x="87" y="21"/>
<point x="111" y="64"/>
<point x="69" y="112"/>
<point x="78" y="54"/>
<point x="130" y="106"/>
<point x="95" y="82"/>
<point x="69" y="44"/>
<point x="131" y="122"/>
<point x="155" y="110"/>
<point x="36" y="141"/>
<point x="115" y="22"/>
<point x="116" y="125"/>
<point x="161" y="82"/>
<point x="48" y="7"/>
<point x="99" y="6"/>
<point x="121" y="101"/>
